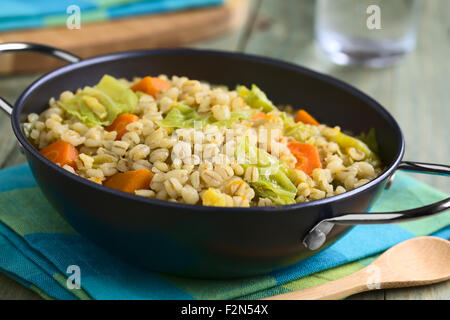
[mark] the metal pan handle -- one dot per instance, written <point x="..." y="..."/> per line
<point x="13" y="47"/>
<point x="317" y="236"/>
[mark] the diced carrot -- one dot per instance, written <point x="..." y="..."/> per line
<point x="151" y="85"/>
<point x="61" y="152"/>
<point x="120" y="124"/>
<point x="258" y="115"/>
<point x="305" y="117"/>
<point x="130" y="181"/>
<point x="307" y="156"/>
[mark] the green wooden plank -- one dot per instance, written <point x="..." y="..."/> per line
<point x="10" y="89"/>
<point x="12" y="290"/>
<point x="15" y="157"/>
<point x="7" y="138"/>
<point x="437" y="291"/>
<point x="233" y="39"/>
<point x="370" y="295"/>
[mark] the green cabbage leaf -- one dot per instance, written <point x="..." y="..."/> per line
<point x="274" y="180"/>
<point x="102" y="103"/>
<point x="297" y="130"/>
<point x="183" y="116"/>
<point x="255" y="98"/>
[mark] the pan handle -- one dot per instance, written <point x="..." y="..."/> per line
<point x="317" y="236"/>
<point x="13" y="47"/>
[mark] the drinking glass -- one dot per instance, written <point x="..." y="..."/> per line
<point x="374" y="33"/>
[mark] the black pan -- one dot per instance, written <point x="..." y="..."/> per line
<point x="212" y="242"/>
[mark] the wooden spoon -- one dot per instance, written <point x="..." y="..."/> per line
<point x="414" y="262"/>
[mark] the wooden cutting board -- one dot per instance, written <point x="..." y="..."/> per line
<point x="151" y="31"/>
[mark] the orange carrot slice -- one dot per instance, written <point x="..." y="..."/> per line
<point x="305" y="117"/>
<point x="61" y="152"/>
<point x="120" y="124"/>
<point x="151" y="86"/>
<point x="130" y="181"/>
<point x="307" y="156"/>
<point x="258" y="115"/>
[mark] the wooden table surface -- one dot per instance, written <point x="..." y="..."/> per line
<point x="416" y="92"/>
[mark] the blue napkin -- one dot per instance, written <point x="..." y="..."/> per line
<point x="22" y="14"/>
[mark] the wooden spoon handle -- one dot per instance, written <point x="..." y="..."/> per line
<point x="333" y="290"/>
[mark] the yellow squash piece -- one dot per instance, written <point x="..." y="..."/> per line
<point x="213" y="197"/>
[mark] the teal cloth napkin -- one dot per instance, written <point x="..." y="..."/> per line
<point x="37" y="248"/>
<point x="23" y="14"/>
